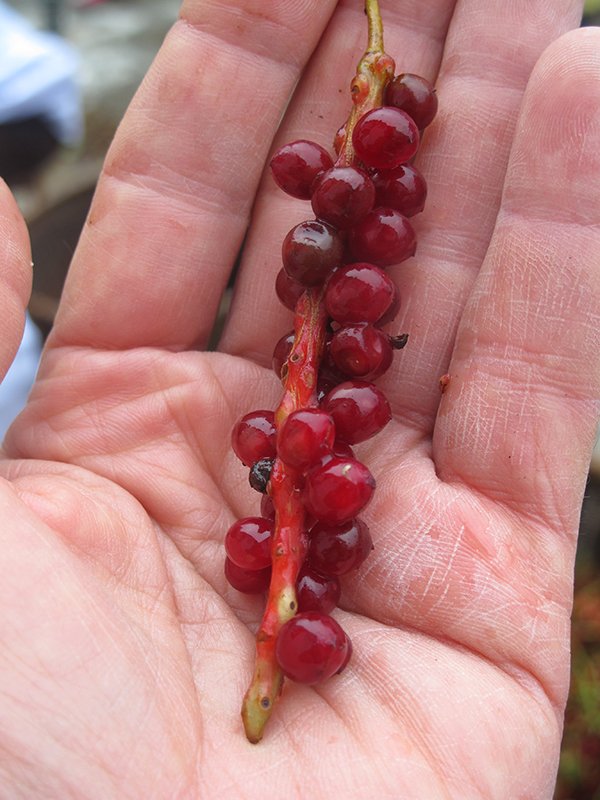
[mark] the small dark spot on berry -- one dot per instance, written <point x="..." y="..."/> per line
<point x="292" y="606"/>
<point x="265" y="702"/>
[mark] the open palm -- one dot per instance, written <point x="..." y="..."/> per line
<point x="124" y="654"/>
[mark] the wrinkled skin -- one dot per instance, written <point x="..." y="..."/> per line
<point x="124" y="655"/>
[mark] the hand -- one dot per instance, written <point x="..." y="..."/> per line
<point x="124" y="654"/>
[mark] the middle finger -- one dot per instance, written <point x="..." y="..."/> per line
<point x="489" y="52"/>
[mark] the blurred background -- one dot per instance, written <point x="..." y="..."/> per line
<point x="67" y="72"/>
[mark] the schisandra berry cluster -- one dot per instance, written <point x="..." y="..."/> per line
<point x="300" y="457"/>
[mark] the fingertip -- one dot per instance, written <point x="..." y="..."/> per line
<point x="15" y="276"/>
<point x="15" y="264"/>
<point x="557" y="142"/>
<point x="575" y="53"/>
<point x="565" y="83"/>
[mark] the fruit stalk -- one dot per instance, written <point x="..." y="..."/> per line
<point x="289" y="536"/>
<point x="301" y="454"/>
<point x="374" y="71"/>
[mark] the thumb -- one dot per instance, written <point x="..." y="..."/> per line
<point x="15" y="277"/>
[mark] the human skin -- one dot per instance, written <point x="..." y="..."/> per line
<point x="124" y="654"/>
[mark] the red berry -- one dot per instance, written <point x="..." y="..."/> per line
<point x="311" y="647"/>
<point x="288" y="290"/>
<point x="337" y="490"/>
<point x="338" y="139"/>
<point x="253" y="581"/>
<point x="392" y="311"/>
<point x="328" y="379"/>
<point x="339" y="450"/>
<point x="348" y="655"/>
<point x="359" y="410"/>
<point x="316" y="592"/>
<point x="385" y="137"/>
<point x="311" y="251"/>
<point x="359" y="293"/>
<point x="342" y="196"/>
<point x="415" y="95"/>
<point x="403" y="188"/>
<point x="248" y="543"/>
<point x="253" y="437"/>
<point x="361" y="351"/>
<point x="342" y="450"/>
<point x="305" y="437"/>
<point x="296" y="165"/>
<point x="383" y="237"/>
<point x="339" y="549"/>
<point x="282" y="350"/>
<point x="267" y="509"/>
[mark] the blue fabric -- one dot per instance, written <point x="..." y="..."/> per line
<point x="17" y="384"/>
<point x="38" y="73"/>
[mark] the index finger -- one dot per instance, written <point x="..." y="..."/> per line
<point x="174" y="198"/>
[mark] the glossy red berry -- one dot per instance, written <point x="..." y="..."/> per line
<point x="361" y="351"/>
<point x="338" y="139"/>
<point x="296" y="165"/>
<point x="316" y="592"/>
<point x="248" y="543"/>
<point x="415" y="95"/>
<point x="288" y="290"/>
<point x="343" y="195"/>
<point x="253" y="437"/>
<point x="359" y="293"/>
<point x="305" y="437"/>
<point x="339" y="450"/>
<point x="348" y="655"/>
<point x="282" y="350"/>
<point x="311" y="647"/>
<point x="328" y="379"/>
<point x="247" y="581"/>
<point x="339" y="549"/>
<point x="403" y="188"/>
<point x="267" y="508"/>
<point x="311" y="251"/>
<point x="359" y="409"/>
<point x="392" y="311"/>
<point x="385" y="137"/>
<point x="383" y="237"/>
<point x="338" y="490"/>
<point x="342" y="450"/>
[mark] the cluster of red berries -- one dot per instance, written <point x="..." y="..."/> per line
<point x="361" y="225"/>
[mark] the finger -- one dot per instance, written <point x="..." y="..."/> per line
<point x="487" y="59"/>
<point x="518" y="417"/>
<point x="490" y="52"/>
<point x="414" y="36"/>
<point x="174" y="199"/>
<point x="15" y="277"/>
